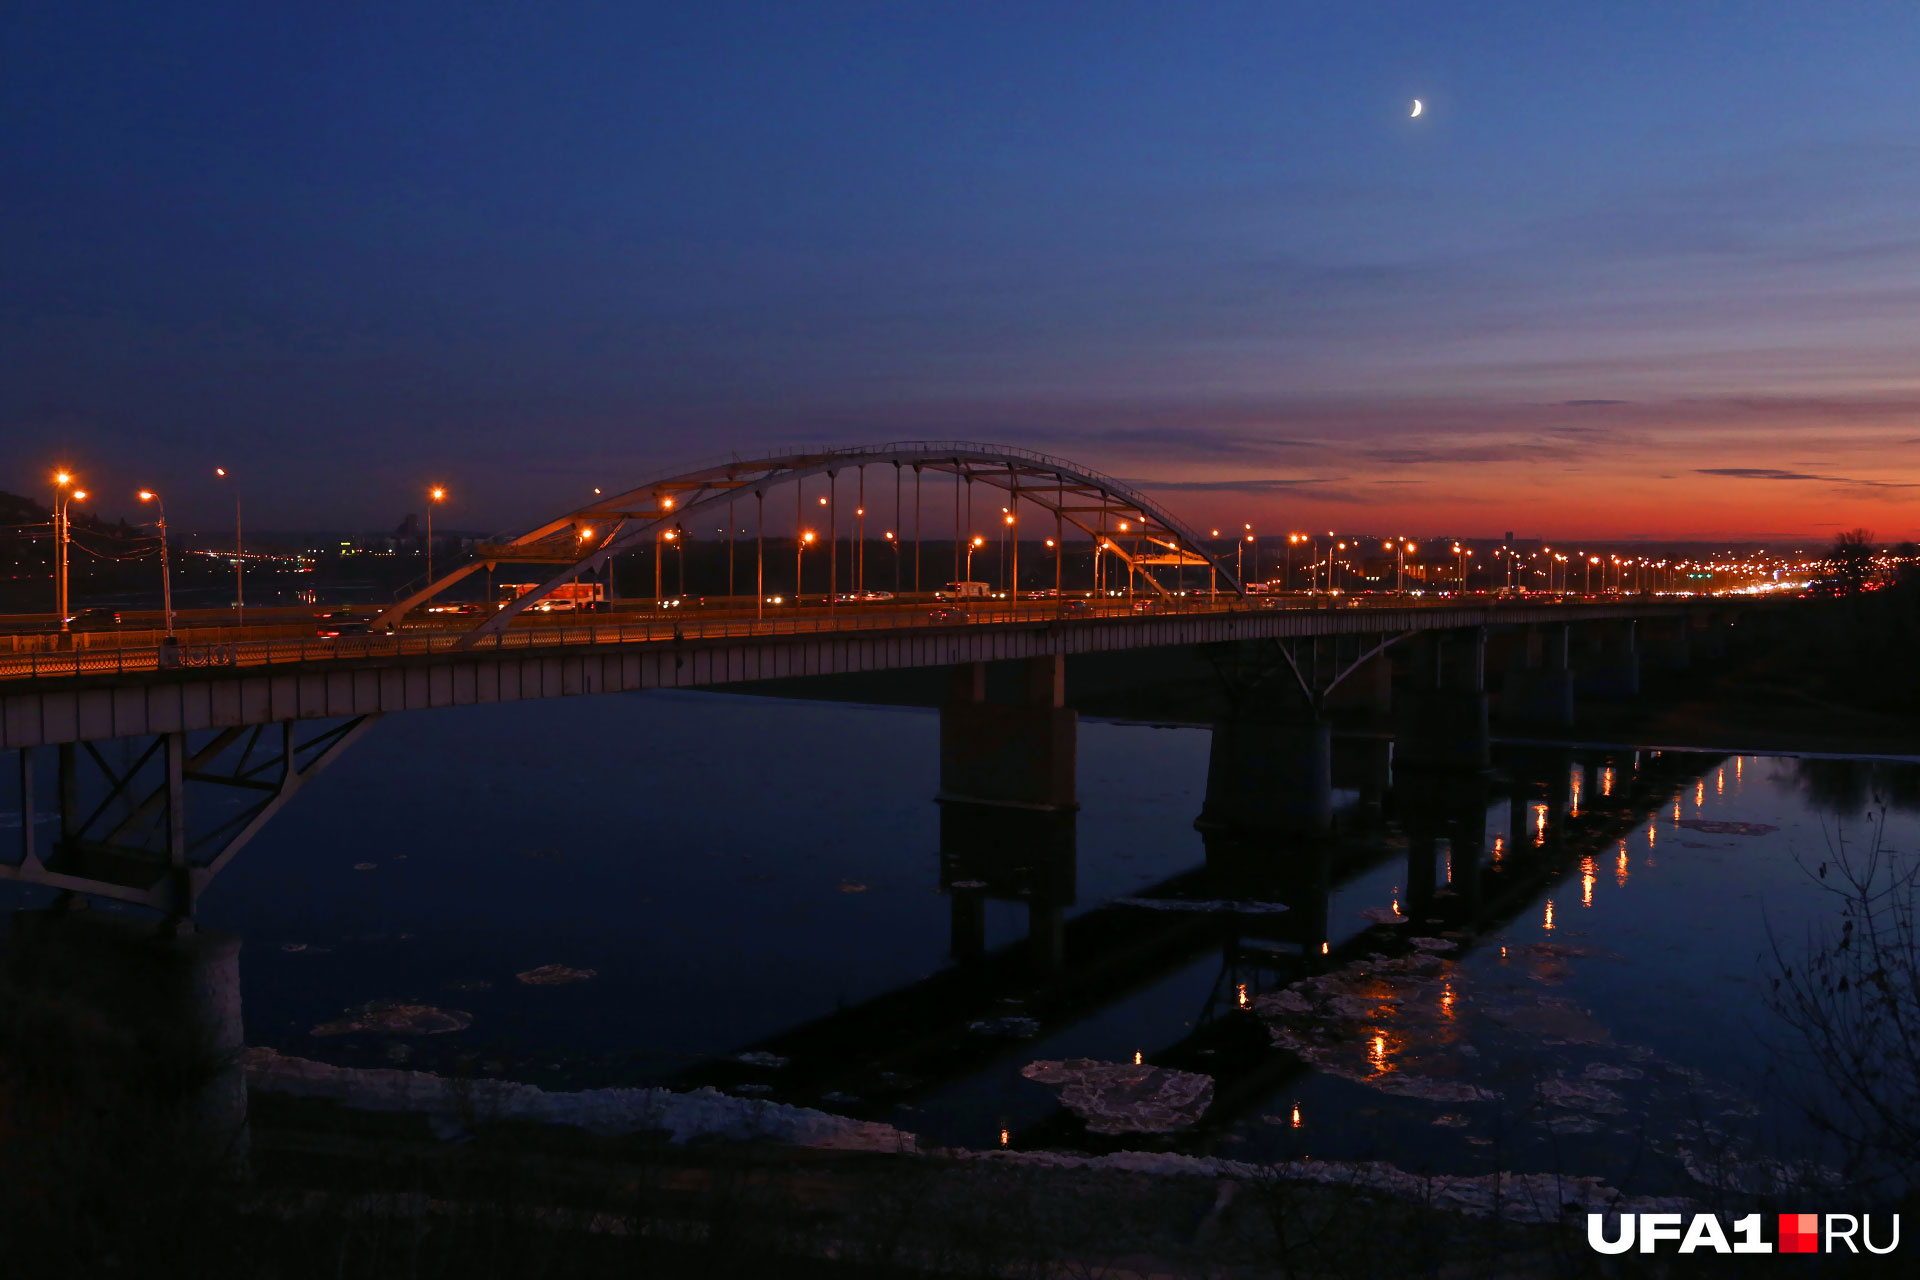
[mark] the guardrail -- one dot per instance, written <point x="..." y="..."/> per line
<point x="666" y="628"/>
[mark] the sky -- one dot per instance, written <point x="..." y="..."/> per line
<point x="1638" y="270"/>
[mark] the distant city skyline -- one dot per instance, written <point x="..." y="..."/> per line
<point x="1632" y="273"/>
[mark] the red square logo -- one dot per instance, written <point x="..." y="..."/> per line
<point x="1799" y="1233"/>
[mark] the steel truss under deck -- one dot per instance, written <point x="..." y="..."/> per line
<point x="124" y="829"/>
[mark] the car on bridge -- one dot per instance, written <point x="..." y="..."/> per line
<point x="94" y="619"/>
<point x="332" y="626"/>
<point x="965" y="591"/>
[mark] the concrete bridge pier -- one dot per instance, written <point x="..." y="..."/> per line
<point x="1520" y="823"/>
<point x="135" y="1022"/>
<point x="1367" y="691"/>
<point x="1021" y="756"/>
<point x="1254" y="867"/>
<point x="1423" y="848"/>
<point x="1467" y="840"/>
<point x="1365" y="765"/>
<point x="1558" y="770"/>
<point x="1610" y="667"/>
<point x="1666" y="644"/>
<point x="998" y="853"/>
<point x="1270" y="774"/>
<point x="1446" y="725"/>
<point x="1539" y="680"/>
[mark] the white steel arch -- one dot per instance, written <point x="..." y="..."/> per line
<point x="1097" y="505"/>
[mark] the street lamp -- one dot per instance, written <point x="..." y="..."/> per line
<point x="1006" y="531"/>
<point x="972" y="546"/>
<point x="860" y="552"/>
<point x="679" y="557"/>
<point x="1255" y="540"/>
<point x="166" y="573"/>
<point x="62" y="532"/>
<point x="1592" y="561"/>
<point x="239" y="589"/>
<point x="800" y="544"/>
<point x="894" y="542"/>
<point x="434" y="495"/>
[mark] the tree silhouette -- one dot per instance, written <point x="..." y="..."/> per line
<point x="1850" y="561"/>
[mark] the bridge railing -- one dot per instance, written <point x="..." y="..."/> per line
<point x="667" y="628"/>
<point x="662" y="628"/>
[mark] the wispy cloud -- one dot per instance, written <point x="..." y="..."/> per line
<point x="1775" y="473"/>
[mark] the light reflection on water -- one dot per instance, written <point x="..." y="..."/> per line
<point x="705" y="887"/>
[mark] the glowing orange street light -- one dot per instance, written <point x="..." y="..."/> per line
<point x="62" y="535"/>
<point x="800" y="544"/>
<point x="166" y="572"/>
<point x="435" y="496"/>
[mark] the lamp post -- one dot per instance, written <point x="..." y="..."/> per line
<point x="239" y="589"/>
<point x="975" y="544"/>
<point x="894" y="542"/>
<point x="62" y="532"/>
<point x="435" y="495"/>
<point x="1006" y="532"/>
<point x="1255" y="540"/>
<point x="1592" y="561"/>
<point x="800" y="544"/>
<point x="166" y="572"/>
<point x="860" y="555"/>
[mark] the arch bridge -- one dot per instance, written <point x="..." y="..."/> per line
<point x="219" y="720"/>
<point x="1116" y="516"/>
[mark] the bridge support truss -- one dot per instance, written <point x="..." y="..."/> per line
<point x="122" y="816"/>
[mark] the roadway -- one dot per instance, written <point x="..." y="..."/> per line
<point x="290" y="636"/>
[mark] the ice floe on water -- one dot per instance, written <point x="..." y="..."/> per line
<point x="394" y="1018"/>
<point x="1125" y="1097"/>
<point x="1612" y="1071"/>
<point x="1583" y="1095"/>
<point x="1717" y="827"/>
<point x="701" y="1113"/>
<point x="755" y="1058"/>
<point x="555" y="975"/>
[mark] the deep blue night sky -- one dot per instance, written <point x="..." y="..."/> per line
<point x="525" y="249"/>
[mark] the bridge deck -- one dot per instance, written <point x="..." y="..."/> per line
<point x="93" y="694"/>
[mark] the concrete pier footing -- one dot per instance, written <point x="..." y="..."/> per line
<point x="1271" y="776"/>
<point x="1445" y="730"/>
<point x="148" y="1012"/>
<point x="1021" y="755"/>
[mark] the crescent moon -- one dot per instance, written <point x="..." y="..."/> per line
<point x="1417" y="108"/>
